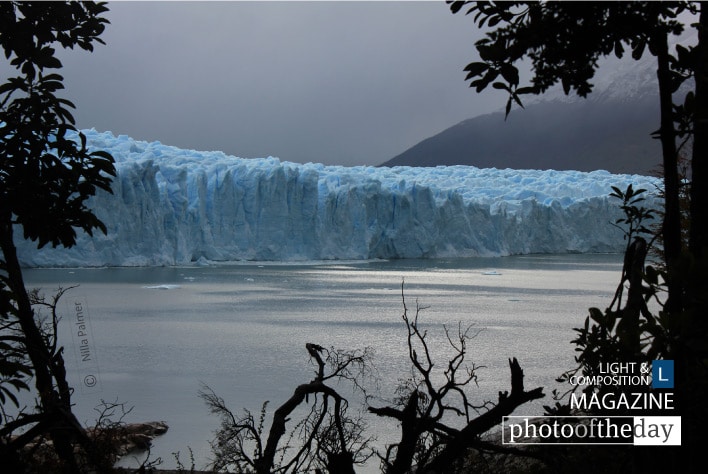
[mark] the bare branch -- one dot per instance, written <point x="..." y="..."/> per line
<point x="422" y="403"/>
<point x="327" y="437"/>
<point x="507" y="403"/>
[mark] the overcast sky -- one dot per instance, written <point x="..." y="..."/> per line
<point x="333" y="82"/>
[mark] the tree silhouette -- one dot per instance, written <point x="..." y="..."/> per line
<point x="439" y="423"/>
<point x="563" y="42"/>
<point x="46" y="176"/>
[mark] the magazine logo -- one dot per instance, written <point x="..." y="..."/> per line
<point x="657" y="374"/>
<point x="662" y="374"/>
<point x="592" y="430"/>
<point x="624" y="387"/>
<point x="621" y="377"/>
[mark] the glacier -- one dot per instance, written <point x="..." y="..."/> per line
<point x="172" y="206"/>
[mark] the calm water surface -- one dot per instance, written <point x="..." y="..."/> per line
<point x="241" y="329"/>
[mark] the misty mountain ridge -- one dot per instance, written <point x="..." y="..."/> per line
<point x="609" y="130"/>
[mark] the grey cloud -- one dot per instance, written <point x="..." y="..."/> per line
<point x="333" y="82"/>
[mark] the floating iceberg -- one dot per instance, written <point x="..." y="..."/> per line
<point x="173" y="207"/>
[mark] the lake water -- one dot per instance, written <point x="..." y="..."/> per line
<point x="158" y="333"/>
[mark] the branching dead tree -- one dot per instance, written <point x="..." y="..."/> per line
<point x="328" y="438"/>
<point x="427" y="440"/>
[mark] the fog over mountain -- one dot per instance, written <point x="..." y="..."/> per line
<point x="609" y="130"/>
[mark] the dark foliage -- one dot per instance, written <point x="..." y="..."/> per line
<point x="564" y="41"/>
<point x="47" y="174"/>
<point x="46" y="171"/>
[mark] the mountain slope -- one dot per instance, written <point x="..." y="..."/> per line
<point x="609" y="130"/>
<point x="582" y="135"/>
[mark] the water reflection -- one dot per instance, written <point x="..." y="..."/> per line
<point x="241" y="328"/>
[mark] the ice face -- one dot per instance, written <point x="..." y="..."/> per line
<point x="172" y="206"/>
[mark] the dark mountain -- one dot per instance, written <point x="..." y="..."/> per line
<point x="604" y="133"/>
<point x="610" y="130"/>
